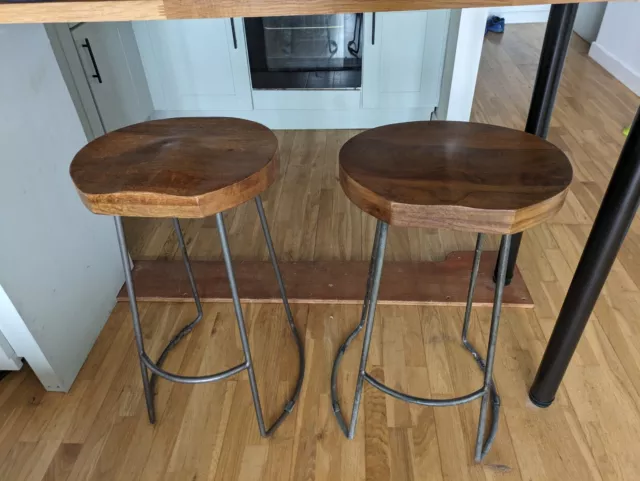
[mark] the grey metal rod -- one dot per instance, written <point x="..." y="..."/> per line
<point x="481" y="446"/>
<point x="137" y="329"/>
<point x="192" y="379"/>
<point x="241" y="326"/>
<point x="424" y="401"/>
<point x="186" y="329"/>
<point x="487" y="392"/>
<point x="156" y="369"/>
<point x="187" y="265"/>
<point x="292" y="326"/>
<point x="368" y="331"/>
<point x="365" y="309"/>
<point x="472" y="288"/>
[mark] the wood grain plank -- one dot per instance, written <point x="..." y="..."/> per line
<point x="122" y="10"/>
<point x="328" y="282"/>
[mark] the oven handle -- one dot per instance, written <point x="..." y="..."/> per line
<point x="233" y="33"/>
<point x="373" y="29"/>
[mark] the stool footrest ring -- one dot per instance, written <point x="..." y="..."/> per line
<point x="192" y="379"/>
<point x="423" y="401"/>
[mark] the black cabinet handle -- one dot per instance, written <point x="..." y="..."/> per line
<point x="373" y="29"/>
<point x="233" y="32"/>
<point x="87" y="45"/>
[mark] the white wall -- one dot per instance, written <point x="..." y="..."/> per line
<point x="522" y="13"/>
<point x="461" y="63"/>
<point x="59" y="264"/>
<point x="617" y="47"/>
<point x="589" y="19"/>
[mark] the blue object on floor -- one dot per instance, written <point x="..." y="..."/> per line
<point x="494" y="24"/>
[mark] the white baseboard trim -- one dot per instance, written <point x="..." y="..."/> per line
<point x="310" y="119"/>
<point x="616" y="67"/>
<point x="530" y="14"/>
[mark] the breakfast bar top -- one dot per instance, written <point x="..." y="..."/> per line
<point x="12" y="11"/>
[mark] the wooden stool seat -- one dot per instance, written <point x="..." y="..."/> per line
<point x="455" y="175"/>
<point x="183" y="167"/>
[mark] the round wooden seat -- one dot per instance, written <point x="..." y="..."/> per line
<point x="184" y="167"/>
<point x="455" y="175"/>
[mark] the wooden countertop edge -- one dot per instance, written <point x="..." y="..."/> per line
<point x="82" y="11"/>
<point x="122" y="10"/>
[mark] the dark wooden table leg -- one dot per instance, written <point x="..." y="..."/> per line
<point x="554" y="51"/>
<point x="616" y="213"/>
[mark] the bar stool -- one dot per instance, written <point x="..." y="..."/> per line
<point x="455" y="175"/>
<point x="189" y="168"/>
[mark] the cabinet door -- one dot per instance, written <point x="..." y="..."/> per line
<point x="196" y="64"/>
<point x="111" y="63"/>
<point x="403" y="58"/>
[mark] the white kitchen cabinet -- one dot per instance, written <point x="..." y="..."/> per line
<point x="403" y="59"/>
<point x="111" y="62"/>
<point x="196" y="64"/>
<point x="9" y="361"/>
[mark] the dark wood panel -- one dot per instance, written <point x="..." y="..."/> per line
<point x="329" y="282"/>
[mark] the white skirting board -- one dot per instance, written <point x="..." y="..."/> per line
<point x="616" y="67"/>
<point x="310" y="119"/>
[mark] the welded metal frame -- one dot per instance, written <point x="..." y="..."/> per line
<point x="146" y="364"/>
<point x="487" y="392"/>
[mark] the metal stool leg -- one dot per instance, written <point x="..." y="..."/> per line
<point x="241" y="327"/>
<point x="368" y="310"/>
<point x="365" y="309"/>
<point x="482" y="446"/>
<point x="124" y="253"/>
<point x="285" y="301"/>
<point x="196" y="297"/>
<point x="156" y="369"/>
<point x="487" y="392"/>
<point x="495" y="398"/>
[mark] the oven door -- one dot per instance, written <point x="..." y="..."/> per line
<point x="299" y="51"/>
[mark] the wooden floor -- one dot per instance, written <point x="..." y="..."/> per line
<point x="99" y="431"/>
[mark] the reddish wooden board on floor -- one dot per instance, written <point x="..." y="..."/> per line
<point x="330" y="282"/>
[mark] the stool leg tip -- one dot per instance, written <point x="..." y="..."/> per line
<point x="540" y="404"/>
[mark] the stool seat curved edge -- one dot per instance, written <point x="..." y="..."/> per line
<point x="159" y="205"/>
<point x="181" y="167"/>
<point x="457" y="175"/>
<point x="459" y="218"/>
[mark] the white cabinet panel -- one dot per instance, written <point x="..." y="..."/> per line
<point x="402" y="65"/>
<point x="8" y="359"/>
<point x="195" y="64"/>
<point x="115" y="73"/>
